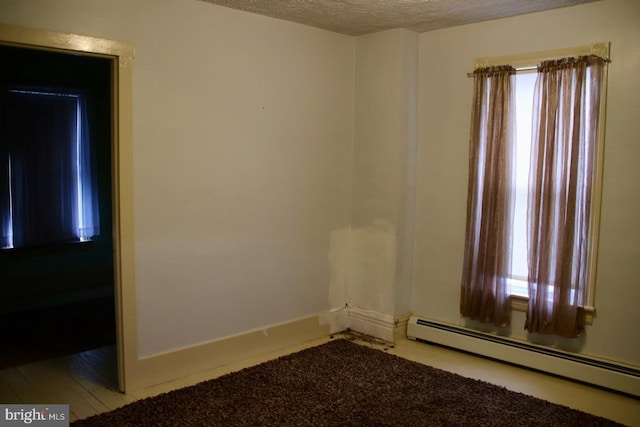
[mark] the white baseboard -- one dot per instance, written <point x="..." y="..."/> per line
<point x="179" y="363"/>
<point x="337" y="319"/>
<point x="160" y="368"/>
<point x="401" y="323"/>
<point x="382" y="326"/>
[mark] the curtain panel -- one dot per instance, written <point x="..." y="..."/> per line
<point x="490" y="203"/>
<point x="48" y="182"/>
<point x="566" y="110"/>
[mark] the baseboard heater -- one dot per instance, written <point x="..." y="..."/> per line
<point x="611" y="375"/>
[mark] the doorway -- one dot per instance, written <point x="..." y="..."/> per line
<point x="112" y="282"/>
<point x="56" y="241"/>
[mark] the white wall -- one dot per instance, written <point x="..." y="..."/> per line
<point x="444" y="111"/>
<point x="243" y="131"/>
<point x="384" y="171"/>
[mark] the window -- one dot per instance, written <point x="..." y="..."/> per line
<point x="534" y="188"/>
<point x="55" y="151"/>
<point x="48" y="188"/>
<point x="525" y="82"/>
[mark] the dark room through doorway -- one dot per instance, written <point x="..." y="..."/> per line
<point x="56" y="235"/>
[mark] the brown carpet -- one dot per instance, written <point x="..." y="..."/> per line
<point x="343" y="384"/>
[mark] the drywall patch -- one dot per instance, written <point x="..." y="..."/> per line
<point x="362" y="264"/>
<point x="339" y="268"/>
<point x="373" y="267"/>
<point x="337" y="319"/>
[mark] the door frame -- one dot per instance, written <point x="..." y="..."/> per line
<point x="121" y="55"/>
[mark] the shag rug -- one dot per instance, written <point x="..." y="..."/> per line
<point x="341" y="383"/>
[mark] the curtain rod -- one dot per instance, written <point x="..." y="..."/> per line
<point x="532" y="67"/>
<point x="518" y="70"/>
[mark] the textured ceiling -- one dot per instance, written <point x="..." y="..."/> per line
<point x="357" y="17"/>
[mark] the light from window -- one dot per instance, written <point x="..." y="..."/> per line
<point x="525" y="84"/>
<point x="7" y="235"/>
<point x="82" y="215"/>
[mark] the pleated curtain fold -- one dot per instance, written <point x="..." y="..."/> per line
<point x="490" y="201"/>
<point x="566" y="110"/>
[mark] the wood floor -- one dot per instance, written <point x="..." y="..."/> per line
<point x="87" y="381"/>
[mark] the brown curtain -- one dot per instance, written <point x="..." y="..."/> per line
<point x="566" y="105"/>
<point x="487" y="258"/>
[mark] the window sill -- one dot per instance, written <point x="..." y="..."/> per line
<point x="68" y="247"/>
<point x="520" y="303"/>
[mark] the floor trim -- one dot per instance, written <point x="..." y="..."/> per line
<point x="180" y="363"/>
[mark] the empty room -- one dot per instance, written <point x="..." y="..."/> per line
<point x="280" y="175"/>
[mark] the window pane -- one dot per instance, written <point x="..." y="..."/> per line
<point x="525" y="83"/>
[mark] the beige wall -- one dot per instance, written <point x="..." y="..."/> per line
<point x="243" y="131"/>
<point x="444" y="111"/>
